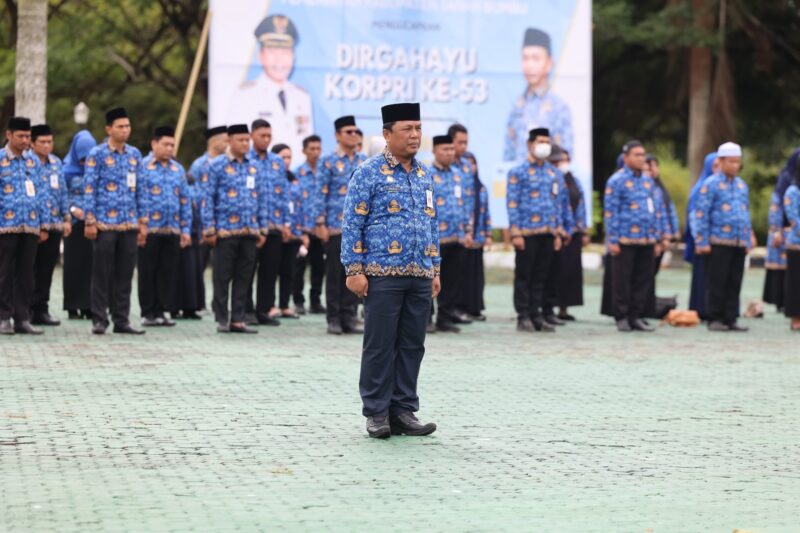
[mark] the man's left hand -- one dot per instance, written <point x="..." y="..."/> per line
<point x="43" y="236"/>
<point x="186" y="240"/>
<point x="437" y="286"/>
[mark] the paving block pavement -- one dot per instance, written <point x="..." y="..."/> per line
<point x="583" y="430"/>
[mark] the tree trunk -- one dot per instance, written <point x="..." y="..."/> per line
<point x="699" y="92"/>
<point x="31" y="83"/>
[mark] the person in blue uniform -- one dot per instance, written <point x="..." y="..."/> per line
<point x="635" y="235"/>
<point x="58" y="224"/>
<point x="390" y="252"/>
<point x="116" y="220"/>
<point x="538" y="107"/>
<point x="78" y="252"/>
<point x="539" y="221"/>
<point x="335" y="173"/>
<point x="235" y="224"/>
<point x="723" y="232"/>
<point x="308" y="177"/>
<point x="698" y="293"/>
<point x="169" y="215"/>
<point x="24" y="205"/>
<point x="791" y="297"/>
<point x="671" y="224"/>
<point x="776" y="249"/>
<point x="455" y="231"/>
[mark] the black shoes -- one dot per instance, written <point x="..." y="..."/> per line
<point x="352" y="329"/>
<point x="266" y="320"/>
<point x="553" y="320"/>
<point x="624" y="326"/>
<point x="45" y="319"/>
<point x="447" y="327"/>
<point x="409" y="424"/>
<point x="378" y="427"/>
<point x="640" y="325"/>
<point x="716" y="325"/>
<point x="223" y="328"/>
<point x="25" y="328"/>
<point x="151" y="322"/>
<point x="318" y="309"/>
<point x="540" y="325"/>
<point x="335" y="328"/>
<point x="98" y="328"/>
<point x="737" y="328"/>
<point x="300" y="309"/>
<point x="251" y="319"/>
<point x="6" y="328"/>
<point x="127" y="329"/>
<point x="191" y="315"/>
<point x="242" y="329"/>
<point x="461" y="318"/>
<point x="525" y="325"/>
<point x="480" y="317"/>
<point x="566" y="317"/>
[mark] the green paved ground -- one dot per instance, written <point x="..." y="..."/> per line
<point x="585" y="430"/>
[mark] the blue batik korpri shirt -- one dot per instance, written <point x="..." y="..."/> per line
<point x="74" y="170"/>
<point x="537" y="201"/>
<point x="791" y="205"/>
<point x="633" y="213"/>
<point x="451" y="208"/>
<point x="113" y="199"/>
<point x="537" y="109"/>
<point x="272" y="174"/>
<point x="235" y="203"/>
<point x="24" y="202"/>
<point x="722" y="213"/>
<point x="334" y="176"/>
<point x="167" y="197"/>
<point x="311" y="194"/>
<point x="53" y="184"/>
<point x="390" y="227"/>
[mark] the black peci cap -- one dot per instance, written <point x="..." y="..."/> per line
<point x="536" y="37"/>
<point x="40" y="130"/>
<point x="237" y="128"/>
<point x="442" y="139"/>
<point x="163" y="131"/>
<point x="399" y="112"/>
<point x="538" y="132"/>
<point x="216" y="130"/>
<point x="114" y="114"/>
<point x="343" y="122"/>
<point x="19" y="124"/>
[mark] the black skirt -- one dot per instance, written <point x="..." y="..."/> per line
<point x="77" y="278"/>
<point x="569" y="276"/>
<point x="190" y="289"/>
<point x="773" y="287"/>
<point x="791" y="286"/>
<point x="474" y="280"/>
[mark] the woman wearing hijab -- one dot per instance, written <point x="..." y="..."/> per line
<point x="697" y="295"/>
<point x="77" y="249"/>
<point x="791" y="289"/>
<point x="776" y="251"/>
<point x="471" y="301"/>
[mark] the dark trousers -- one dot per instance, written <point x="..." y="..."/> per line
<point x="43" y="267"/>
<point x="190" y="290"/>
<point x="724" y="274"/>
<point x="632" y="280"/>
<point x="452" y="271"/>
<point x="315" y="259"/>
<point x="472" y="283"/>
<point x="112" y="275"/>
<point x="234" y="259"/>
<point x="791" y="286"/>
<point x="396" y="314"/>
<point x="286" y="275"/>
<point x="78" y="259"/>
<point x="341" y="302"/>
<point x="158" y="274"/>
<point x="17" y="256"/>
<point x="531" y="267"/>
<point x="270" y="257"/>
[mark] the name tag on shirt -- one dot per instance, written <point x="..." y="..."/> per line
<point x="429" y="199"/>
<point x="30" y="190"/>
<point x="54" y="181"/>
<point x="555" y="188"/>
<point x="251" y="182"/>
<point x="291" y="208"/>
<point x="457" y="191"/>
<point x="650" y="207"/>
<point x="131" y="179"/>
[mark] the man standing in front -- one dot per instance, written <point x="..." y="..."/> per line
<point x="390" y="252"/>
<point x="115" y="208"/>
<point x="724" y="233"/>
<point x="635" y="235"/>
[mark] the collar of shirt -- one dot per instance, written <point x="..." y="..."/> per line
<point x="442" y="169"/>
<point x="10" y="153"/>
<point x="634" y="173"/>
<point x="536" y="93"/>
<point x="392" y="161"/>
<point x="341" y="154"/>
<point x="231" y="157"/>
<point x="122" y="150"/>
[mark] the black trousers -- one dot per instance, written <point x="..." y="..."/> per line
<point x="190" y="290"/>
<point x="452" y="272"/>
<point x="78" y="259"/>
<point x="158" y="274"/>
<point x="234" y="259"/>
<point x="632" y="280"/>
<point x="473" y="281"/>
<point x="315" y="259"/>
<point x="724" y="274"/>
<point x="791" y="286"/>
<point x="341" y="303"/>
<point x="112" y="276"/>
<point x="43" y="267"/>
<point x="396" y="315"/>
<point x="270" y="257"/>
<point x="17" y="256"/>
<point x="531" y="267"/>
<point x="286" y="274"/>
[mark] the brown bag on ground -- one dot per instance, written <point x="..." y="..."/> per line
<point x="682" y="318"/>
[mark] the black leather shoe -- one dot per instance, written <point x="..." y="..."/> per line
<point x="191" y="315"/>
<point x="409" y="424"/>
<point x="45" y="319"/>
<point x="525" y="324"/>
<point x="461" y="318"/>
<point x="352" y="329"/>
<point x="540" y="325"/>
<point x="300" y="309"/>
<point x="242" y="329"/>
<point x="334" y="328"/>
<point x="624" y="326"/>
<point x="152" y="322"/>
<point x="6" y="328"/>
<point x="738" y="328"/>
<point x="266" y="320"/>
<point x="25" y="328"/>
<point x="318" y="309"/>
<point x="290" y="316"/>
<point x="98" y="328"/>
<point x="639" y="325"/>
<point x="717" y="326"/>
<point x="166" y="322"/>
<point x="553" y="320"/>
<point x="566" y="317"/>
<point x="447" y="327"/>
<point x="251" y="319"/>
<point x="127" y="329"/>
<point x="378" y="427"/>
<point x="223" y="328"/>
<point x="480" y="317"/>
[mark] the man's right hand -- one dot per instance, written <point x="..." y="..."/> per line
<point x="777" y="239"/>
<point x="322" y="233"/>
<point x="518" y="242"/>
<point x="614" y="249"/>
<point x="702" y="250"/>
<point x="358" y="285"/>
<point x="210" y="240"/>
<point x="90" y="232"/>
